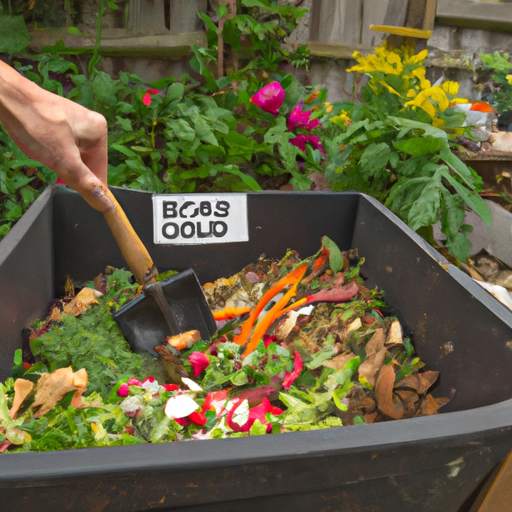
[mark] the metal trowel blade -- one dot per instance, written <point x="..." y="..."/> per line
<point x="144" y="326"/>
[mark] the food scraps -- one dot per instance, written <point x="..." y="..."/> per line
<point x="301" y="344"/>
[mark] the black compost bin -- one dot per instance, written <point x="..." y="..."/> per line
<point x="423" y="464"/>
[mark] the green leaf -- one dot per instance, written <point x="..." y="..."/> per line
<point x="125" y="124"/>
<point x="335" y="256"/>
<point x="408" y="125"/>
<point x="200" y="66"/>
<point x="474" y="201"/>
<point x="419" y="146"/>
<point x="251" y="183"/>
<point x="182" y="129"/>
<point x="75" y="31"/>
<point x="258" y="429"/>
<point x="14" y="36"/>
<point x="375" y="158"/>
<point x="425" y="210"/>
<point x="124" y="150"/>
<point x="175" y="91"/>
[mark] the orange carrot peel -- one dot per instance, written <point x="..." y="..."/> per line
<point x="293" y="279"/>
<point x="287" y="280"/>
<point x="229" y="313"/>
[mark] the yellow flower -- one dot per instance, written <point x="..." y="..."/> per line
<point x="451" y="88"/>
<point x="389" y="88"/>
<point x="509" y="79"/>
<point x="328" y="107"/>
<point x="425" y="98"/>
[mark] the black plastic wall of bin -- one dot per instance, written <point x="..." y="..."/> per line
<point x="419" y="464"/>
<point x="26" y="277"/>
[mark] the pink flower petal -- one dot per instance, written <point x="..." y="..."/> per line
<point x="199" y="362"/>
<point x="269" y="98"/>
<point x="301" y="140"/>
<point x="146" y="99"/>
<point x="290" y="377"/>
<point x="123" y="390"/>
<point x="300" y="119"/>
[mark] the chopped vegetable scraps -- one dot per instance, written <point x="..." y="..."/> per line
<point x="302" y="344"/>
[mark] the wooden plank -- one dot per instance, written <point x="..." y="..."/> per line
<point x="496" y="496"/>
<point x="430" y="15"/>
<point x="374" y="12"/>
<point x="120" y="42"/>
<point x="336" y="20"/>
<point x="482" y="15"/>
<point x="396" y="13"/>
<point x="147" y="17"/>
<point x="184" y="16"/>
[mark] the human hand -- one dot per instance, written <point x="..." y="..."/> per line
<point x="65" y="136"/>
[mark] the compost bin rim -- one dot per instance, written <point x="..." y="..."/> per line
<point x="25" y="467"/>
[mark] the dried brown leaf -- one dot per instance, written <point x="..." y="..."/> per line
<point x="339" y="361"/>
<point x="82" y="302"/>
<point x="430" y="405"/>
<point x="53" y="387"/>
<point x="375" y="357"/>
<point x="384" y="394"/>
<point x="22" y="389"/>
<point x="419" y="382"/>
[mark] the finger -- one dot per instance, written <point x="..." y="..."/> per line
<point x="80" y="178"/>
<point x="91" y="134"/>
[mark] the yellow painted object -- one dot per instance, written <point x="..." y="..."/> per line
<point x="403" y="31"/>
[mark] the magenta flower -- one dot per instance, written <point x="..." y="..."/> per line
<point x="146" y="99"/>
<point x="269" y="98"/>
<point x="300" y="119"/>
<point x="297" y="368"/>
<point x="301" y="140"/>
<point x="124" y="388"/>
<point x="256" y="413"/>
<point x="199" y="362"/>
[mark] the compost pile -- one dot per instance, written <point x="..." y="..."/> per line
<point x="301" y="344"/>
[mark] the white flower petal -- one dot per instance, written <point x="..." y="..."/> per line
<point x="193" y="386"/>
<point x="180" y="406"/>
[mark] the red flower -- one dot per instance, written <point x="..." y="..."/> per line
<point x="300" y="119"/>
<point x="269" y="98"/>
<point x="171" y="387"/>
<point x="256" y="413"/>
<point x="301" y="140"/>
<point x="146" y="99"/>
<point x="290" y="377"/>
<point x="199" y="362"/>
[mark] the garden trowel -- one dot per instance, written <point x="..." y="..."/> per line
<point x="164" y="308"/>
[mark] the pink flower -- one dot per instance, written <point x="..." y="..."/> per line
<point x="290" y="377"/>
<point x="123" y="390"/>
<point x="269" y="98"/>
<point x="146" y="99"/>
<point x="256" y="413"/>
<point x="300" y="119"/>
<point x="199" y="362"/>
<point x="301" y="140"/>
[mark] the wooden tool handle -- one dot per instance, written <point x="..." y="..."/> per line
<point x="135" y="254"/>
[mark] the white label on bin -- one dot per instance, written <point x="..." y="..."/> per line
<point x="195" y="219"/>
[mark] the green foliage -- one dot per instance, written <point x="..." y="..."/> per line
<point x="21" y="181"/>
<point x="94" y="342"/>
<point x="253" y="41"/>
<point x="501" y="67"/>
<point x="14" y="37"/>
